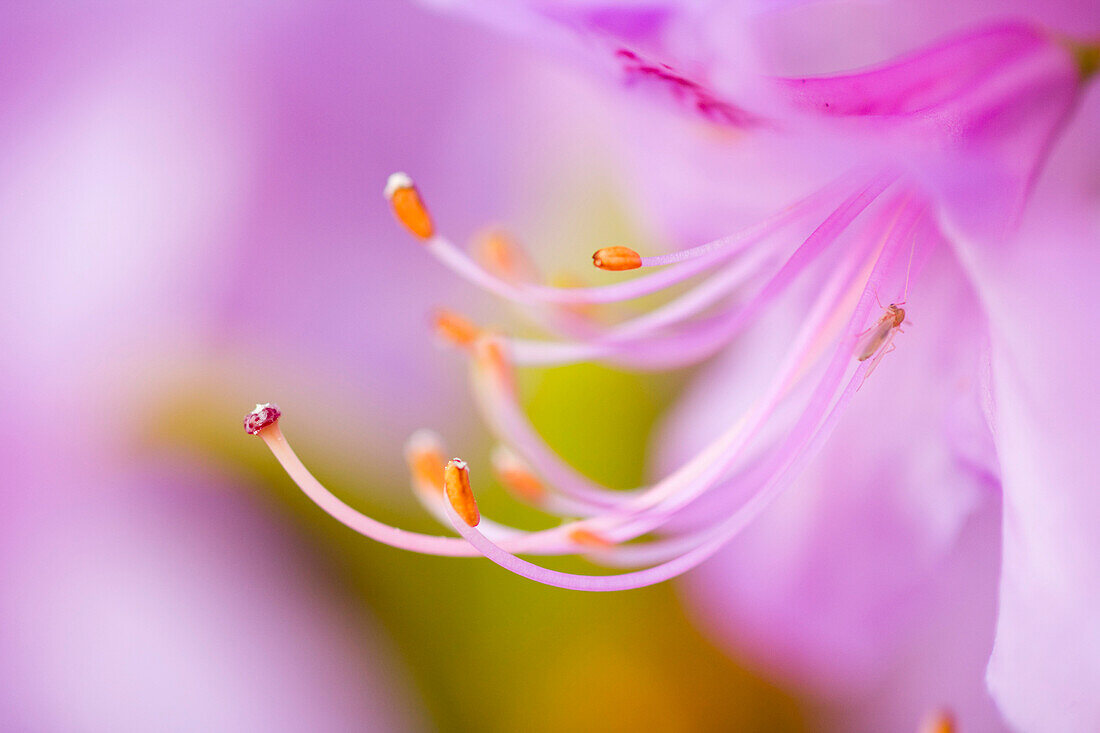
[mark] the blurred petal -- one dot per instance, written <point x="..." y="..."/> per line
<point x="678" y="52"/>
<point x="940" y="662"/>
<point x="805" y="39"/>
<point x="161" y="599"/>
<point x="1045" y="668"/>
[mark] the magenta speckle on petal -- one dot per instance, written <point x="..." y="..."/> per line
<point x="261" y="417"/>
<point x="683" y="91"/>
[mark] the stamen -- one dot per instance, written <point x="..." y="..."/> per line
<point x="545" y="542"/>
<point x="424" y="455"/>
<point x="272" y="435"/>
<point x="456" y="480"/>
<point x="516" y="476"/>
<point x="691" y="262"/>
<point x="685" y="347"/>
<point x="455" y="329"/>
<point x="262" y="416"/>
<point x="588" y="538"/>
<point x="617" y="258"/>
<point x="653" y="507"/>
<point x="493" y="388"/>
<point x="508" y="420"/>
<point x="747" y="462"/>
<point x="802" y="442"/>
<point x="408" y="207"/>
<point x="502" y="255"/>
<point x="710" y="542"/>
<point x="809" y="434"/>
<point x="625" y="581"/>
<point x="491" y="359"/>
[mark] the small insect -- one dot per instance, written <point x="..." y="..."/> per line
<point x="878" y="340"/>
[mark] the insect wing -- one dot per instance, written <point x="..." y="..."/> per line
<point x="873" y="339"/>
<point x="885" y="348"/>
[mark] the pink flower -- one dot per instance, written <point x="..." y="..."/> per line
<point x="823" y="571"/>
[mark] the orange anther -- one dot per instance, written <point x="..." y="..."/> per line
<point x="617" y="258"/>
<point x="516" y="476"/>
<point x="500" y="253"/>
<point x="455" y="329"/>
<point x="489" y="355"/>
<point x="424" y="455"/>
<point x="428" y="469"/>
<point x="408" y="206"/>
<point x="588" y="538"/>
<point x="456" y="481"/>
<point x="523" y="484"/>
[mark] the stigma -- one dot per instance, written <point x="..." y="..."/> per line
<point x="261" y="417"/>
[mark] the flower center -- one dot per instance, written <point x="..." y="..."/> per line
<point x="854" y="235"/>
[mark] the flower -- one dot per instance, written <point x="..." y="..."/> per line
<point x="940" y="146"/>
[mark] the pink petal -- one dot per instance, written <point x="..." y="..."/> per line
<point x="1045" y="668"/>
<point x="973" y="117"/>
<point x="831" y="585"/>
<point x="694" y="57"/>
<point x="940" y="663"/>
